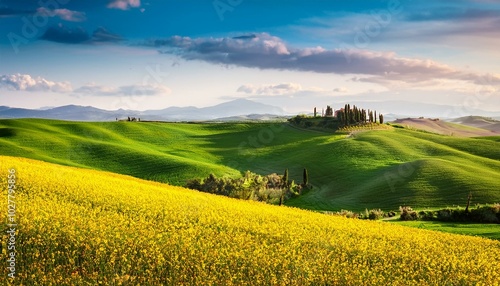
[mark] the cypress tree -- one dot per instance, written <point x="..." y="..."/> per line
<point x="381" y="117"/>
<point x="469" y="197"/>
<point x="305" y="177"/>
<point x="349" y="117"/>
<point x="285" y="178"/>
<point x="375" y="117"/>
<point x="355" y="114"/>
<point x="284" y="187"/>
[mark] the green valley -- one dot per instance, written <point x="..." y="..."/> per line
<point x="367" y="169"/>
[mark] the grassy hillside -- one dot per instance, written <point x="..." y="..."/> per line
<point x="161" y="152"/>
<point x="480" y="122"/>
<point x="86" y="227"/>
<point x="374" y="169"/>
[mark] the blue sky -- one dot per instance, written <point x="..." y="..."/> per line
<point x="136" y="54"/>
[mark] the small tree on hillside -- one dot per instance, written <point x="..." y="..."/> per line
<point x="381" y="117"/>
<point x="284" y="188"/>
<point x="285" y="179"/>
<point x="469" y="197"/>
<point x="329" y="111"/>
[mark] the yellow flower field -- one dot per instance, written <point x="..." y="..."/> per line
<point x="86" y="227"/>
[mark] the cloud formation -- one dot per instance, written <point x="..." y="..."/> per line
<point x="65" y="35"/>
<point x="78" y="35"/>
<point x="270" y="89"/>
<point x="124" y="4"/>
<point x="102" y="35"/>
<point x="25" y="82"/>
<point x="128" y="90"/>
<point x="264" y="51"/>
<point x="65" y="14"/>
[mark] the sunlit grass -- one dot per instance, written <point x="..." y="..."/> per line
<point x="372" y="169"/>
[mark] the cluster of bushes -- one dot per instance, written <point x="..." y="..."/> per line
<point x="305" y="121"/>
<point x="480" y="214"/>
<point x="373" y="214"/>
<point x="272" y="188"/>
<point x="407" y="213"/>
<point x="333" y="123"/>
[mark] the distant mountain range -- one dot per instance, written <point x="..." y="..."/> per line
<point x="239" y="108"/>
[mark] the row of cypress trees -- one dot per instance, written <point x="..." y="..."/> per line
<point x="352" y="116"/>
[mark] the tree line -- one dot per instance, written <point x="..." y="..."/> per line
<point x="353" y="116"/>
<point x="337" y="119"/>
<point x="272" y="188"/>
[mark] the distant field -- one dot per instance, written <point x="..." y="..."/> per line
<point x="372" y="169"/>
<point x="86" y="227"/>
<point x="448" y="128"/>
<point x="484" y="230"/>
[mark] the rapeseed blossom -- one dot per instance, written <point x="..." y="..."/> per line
<point x="87" y="227"/>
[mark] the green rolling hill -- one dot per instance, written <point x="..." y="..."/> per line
<point x="372" y="169"/>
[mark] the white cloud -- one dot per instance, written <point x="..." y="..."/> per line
<point x="270" y="89"/>
<point x="124" y="4"/>
<point x="65" y="14"/>
<point x="25" y="82"/>
<point x="128" y="90"/>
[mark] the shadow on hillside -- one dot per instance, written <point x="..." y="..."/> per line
<point x="263" y="148"/>
<point x="7" y="132"/>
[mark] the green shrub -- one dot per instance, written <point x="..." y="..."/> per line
<point x="486" y="214"/>
<point x="427" y="215"/>
<point x="375" y="214"/>
<point x="270" y="188"/>
<point x="407" y="213"/>
<point x="444" y="215"/>
<point x="347" y="214"/>
<point x="481" y="214"/>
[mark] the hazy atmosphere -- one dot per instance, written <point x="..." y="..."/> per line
<point x="141" y="55"/>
